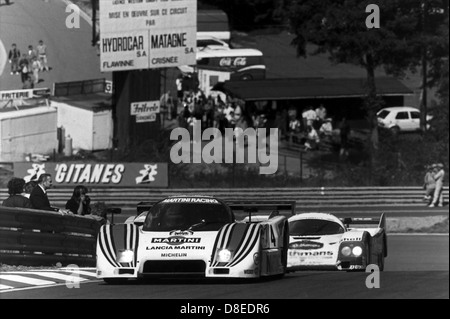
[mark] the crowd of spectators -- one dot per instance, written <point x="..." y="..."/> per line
<point x="221" y="111"/>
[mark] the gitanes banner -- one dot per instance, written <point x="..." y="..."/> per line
<point x="98" y="174"/>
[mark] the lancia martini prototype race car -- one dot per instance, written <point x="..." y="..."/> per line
<point x="193" y="236"/>
<point x="324" y="242"/>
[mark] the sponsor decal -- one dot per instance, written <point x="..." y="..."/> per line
<point x="352" y="239"/>
<point x="294" y="253"/>
<point x="192" y="200"/>
<point x="230" y="62"/>
<point x="306" y="245"/>
<point x="173" y="255"/>
<point x="249" y="272"/>
<point x="176" y="248"/>
<point x="181" y="233"/>
<point x="176" y="240"/>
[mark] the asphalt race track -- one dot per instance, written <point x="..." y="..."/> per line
<point x="417" y="267"/>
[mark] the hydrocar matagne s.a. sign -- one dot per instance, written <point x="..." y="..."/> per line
<point x="147" y="34"/>
<point x="97" y="174"/>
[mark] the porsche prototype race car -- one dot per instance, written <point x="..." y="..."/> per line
<point x="324" y="242"/>
<point x="192" y="236"/>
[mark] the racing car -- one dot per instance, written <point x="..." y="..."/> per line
<point x="320" y="241"/>
<point x="193" y="236"/>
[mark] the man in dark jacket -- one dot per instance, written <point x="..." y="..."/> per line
<point x="38" y="196"/>
<point x="14" y="57"/>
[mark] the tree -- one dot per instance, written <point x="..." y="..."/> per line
<point x="338" y="27"/>
<point x="248" y="14"/>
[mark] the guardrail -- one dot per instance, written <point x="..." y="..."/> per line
<point x="31" y="237"/>
<point x="304" y="197"/>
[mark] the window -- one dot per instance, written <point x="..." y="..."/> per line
<point x="415" y="115"/>
<point x="383" y="114"/>
<point x="402" y="116"/>
<point x="187" y="216"/>
<point x="314" y="227"/>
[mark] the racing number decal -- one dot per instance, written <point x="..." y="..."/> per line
<point x="273" y="240"/>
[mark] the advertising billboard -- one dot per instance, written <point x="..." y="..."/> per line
<point x="97" y="174"/>
<point x="147" y="34"/>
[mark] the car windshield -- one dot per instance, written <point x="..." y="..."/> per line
<point x="314" y="227"/>
<point x="168" y="216"/>
<point x="383" y="114"/>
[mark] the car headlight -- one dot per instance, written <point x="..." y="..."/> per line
<point x="224" y="256"/>
<point x="125" y="256"/>
<point x="357" y="251"/>
<point x="346" y="251"/>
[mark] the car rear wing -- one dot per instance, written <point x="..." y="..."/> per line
<point x="367" y="222"/>
<point x="260" y="211"/>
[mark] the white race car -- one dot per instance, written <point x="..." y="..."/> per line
<point x="192" y="236"/>
<point x="324" y="242"/>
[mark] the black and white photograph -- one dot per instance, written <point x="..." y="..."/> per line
<point x="224" y="158"/>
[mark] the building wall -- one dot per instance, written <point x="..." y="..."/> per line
<point x="26" y="132"/>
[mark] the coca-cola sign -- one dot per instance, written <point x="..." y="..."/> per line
<point x="233" y="62"/>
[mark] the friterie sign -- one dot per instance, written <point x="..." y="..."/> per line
<point x="147" y="34"/>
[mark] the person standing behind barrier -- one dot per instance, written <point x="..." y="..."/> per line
<point x="42" y="54"/>
<point x="344" y="132"/>
<point x="429" y="184"/>
<point x="439" y="175"/>
<point x="15" y="190"/>
<point x="79" y="203"/>
<point x="14" y="57"/>
<point x="39" y="198"/>
<point x="24" y="66"/>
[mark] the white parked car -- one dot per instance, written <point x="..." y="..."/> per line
<point x="400" y="119"/>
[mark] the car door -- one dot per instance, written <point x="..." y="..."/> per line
<point x="403" y="121"/>
<point x="415" y="120"/>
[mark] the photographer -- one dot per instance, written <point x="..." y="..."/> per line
<point x="79" y="203"/>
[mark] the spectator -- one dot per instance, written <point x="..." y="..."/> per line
<point x="15" y="190"/>
<point x="439" y="175"/>
<point x="35" y="66"/>
<point x="32" y="53"/>
<point x="42" y="54"/>
<point x="14" y="57"/>
<point x="24" y="68"/>
<point x="326" y="129"/>
<point x="309" y="116"/>
<point x="79" y="203"/>
<point x="29" y="188"/>
<point x="39" y="198"/>
<point x="321" y="112"/>
<point x="312" y="139"/>
<point x="344" y="132"/>
<point x="180" y="92"/>
<point x="429" y="184"/>
<point x="294" y="130"/>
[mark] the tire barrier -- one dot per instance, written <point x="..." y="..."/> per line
<point x="31" y="237"/>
